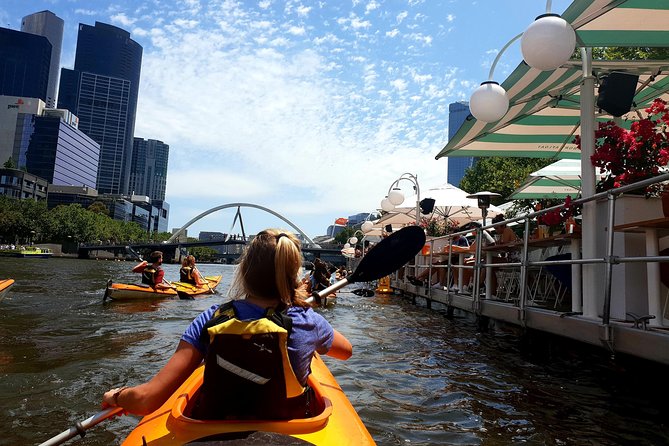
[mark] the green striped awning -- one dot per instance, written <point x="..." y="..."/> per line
<point x="544" y="115"/>
<point x="556" y="180"/>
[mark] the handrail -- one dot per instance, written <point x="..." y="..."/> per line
<point x="608" y="260"/>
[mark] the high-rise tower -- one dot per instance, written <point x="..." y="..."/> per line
<point x="47" y="24"/>
<point x="102" y="91"/>
<point x="24" y="64"/>
<point x="457" y="165"/>
<point x="148" y="174"/>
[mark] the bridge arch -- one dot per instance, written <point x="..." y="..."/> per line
<point x="238" y="205"/>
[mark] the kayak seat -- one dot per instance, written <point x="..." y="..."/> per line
<point x="211" y="429"/>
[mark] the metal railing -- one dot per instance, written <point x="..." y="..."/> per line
<point x="608" y="258"/>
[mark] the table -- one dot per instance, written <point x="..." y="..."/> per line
<point x="651" y="228"/>
<point x="574" y="242"/>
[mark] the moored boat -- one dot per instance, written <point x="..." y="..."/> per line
<point x="5" y="285"/>
<point x="125" y="291"/>
<point x="35" y="252"/>
<point x="336" y="422"/>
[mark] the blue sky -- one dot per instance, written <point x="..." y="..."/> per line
<point x="309" y="108"/>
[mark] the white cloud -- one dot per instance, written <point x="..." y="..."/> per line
<point x="122" y="19"/>
<point x="296" y="30"/>
<point x="401" y="16"/>
<point x="392" y="33"/>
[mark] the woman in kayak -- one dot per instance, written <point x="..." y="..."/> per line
<point x="189" y="272"/>
<point x="265" y="282"/>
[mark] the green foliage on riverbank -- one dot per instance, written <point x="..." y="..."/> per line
<point x="24" y="221"/>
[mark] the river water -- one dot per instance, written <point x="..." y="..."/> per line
<point x="416" y="377"/>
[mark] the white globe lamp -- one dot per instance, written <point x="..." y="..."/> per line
<point x="386" y="205"/>
<point x="347" y="245"/>
<point x="548" y="42"/>
<point x="366" y="226"/>
<point x="353" y="240"/>
<point x="489" y="102"/>
<point x="396" y="197"/>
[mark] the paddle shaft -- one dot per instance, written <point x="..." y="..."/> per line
<point x="80" y="427"/>
<point x="318" y="295"/>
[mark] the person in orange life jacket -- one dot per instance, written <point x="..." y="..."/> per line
<point x="153" y="274"/>
<point x="189" y="272"/>
<point x="272" y="254"/>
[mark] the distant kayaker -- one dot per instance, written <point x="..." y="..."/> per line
<point x="240" y="369"/>
<point x="153" y="274"/>
<point x="189" y="272"/>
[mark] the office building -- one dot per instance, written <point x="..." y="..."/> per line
<point x="102" y="91"/>
<point x="47" y="24"/>
<point x="457" y="165"/>
<point x="148" y="170"/>
<point x="24" y="64"/>
<point x="15" y="183"/>
<point x="61" y="153"/>
<point x="16" y="127"/>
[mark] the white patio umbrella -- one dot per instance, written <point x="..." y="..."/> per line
<point x="451" y="203"/>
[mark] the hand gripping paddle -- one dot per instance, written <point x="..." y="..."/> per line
<point x="386" y="257"/>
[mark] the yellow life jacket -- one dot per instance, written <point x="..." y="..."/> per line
<point x="247" y="373"/>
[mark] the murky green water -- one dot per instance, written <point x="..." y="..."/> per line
<point x="416" y="377"/>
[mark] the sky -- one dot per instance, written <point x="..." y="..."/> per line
<point x="309" y="108"/>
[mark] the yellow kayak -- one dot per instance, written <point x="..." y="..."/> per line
<point x="189" y="291"/>
<point x="124" y="291"/>
<point x="336" y="424"/>
<point x="5" y="285"/>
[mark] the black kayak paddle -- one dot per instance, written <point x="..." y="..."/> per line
<point x="386" y="257"/>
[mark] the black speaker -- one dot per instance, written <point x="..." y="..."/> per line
<point x="616" y="92"/>
<point x="389" y="228"/>
<point x="426" y="205"/>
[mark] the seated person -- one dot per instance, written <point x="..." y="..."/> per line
<point x="438" y="279"/>
<point x="189" y="272"/>
<point x="265" y="289"/>
<point x="153" y="275"/>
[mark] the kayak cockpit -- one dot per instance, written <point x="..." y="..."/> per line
<point x="190" y="429"/>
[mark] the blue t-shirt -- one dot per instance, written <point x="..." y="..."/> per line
<point x="311" y="333"/>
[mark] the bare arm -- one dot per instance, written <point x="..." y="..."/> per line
<point x="145" y="398"/>
<point x="140" y="267"/>
<point x="341" y="348"/>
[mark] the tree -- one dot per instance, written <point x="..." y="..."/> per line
<point x="99" y="207"/>
<point x="500" y="174"/>
<point x="9" y="164"/>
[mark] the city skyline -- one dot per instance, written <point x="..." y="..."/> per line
<point x="310" y="109"/>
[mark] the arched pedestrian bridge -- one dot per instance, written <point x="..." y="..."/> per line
<point x="238" y="215"/>
<point x="173" y="248"/>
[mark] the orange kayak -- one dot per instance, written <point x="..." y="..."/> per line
<point x="5" y="285"/>
<point x="124" y="291"/>
<point x="336" y="424"/>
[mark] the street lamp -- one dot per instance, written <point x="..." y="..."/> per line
<point x="546" y="44"/>
<point x="396" y="198"/>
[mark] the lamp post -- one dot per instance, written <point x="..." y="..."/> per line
<point x="396" y="198"/>
<point x="489" y="102"/>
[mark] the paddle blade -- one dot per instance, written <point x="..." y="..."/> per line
<point x="389" y="254"/>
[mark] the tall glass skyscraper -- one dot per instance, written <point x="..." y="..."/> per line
<point x="24" y="64"/>
<point x="47" y="24"/>
<point x="102" y="91"/>
<point x="148" y="174"/>
<point x="457" y="165"/>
